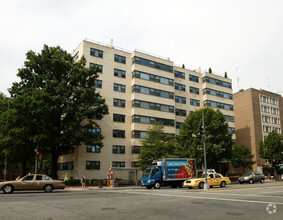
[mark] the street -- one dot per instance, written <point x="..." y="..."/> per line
<point x="247" y="201"/>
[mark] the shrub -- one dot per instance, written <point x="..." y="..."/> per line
<point x="74" y="182"/>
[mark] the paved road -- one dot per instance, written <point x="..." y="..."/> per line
<point x="233" y="202"/>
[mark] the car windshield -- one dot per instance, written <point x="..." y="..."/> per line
<point x="247" y="174"/>
<point x="146" y="173"/>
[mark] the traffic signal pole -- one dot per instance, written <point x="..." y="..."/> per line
<point x="206" y="185"/>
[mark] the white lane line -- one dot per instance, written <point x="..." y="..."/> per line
<point x="207" y="198"/>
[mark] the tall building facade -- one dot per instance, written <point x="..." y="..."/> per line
<point x="257" y="113"/>
<point x="140" y="89"/>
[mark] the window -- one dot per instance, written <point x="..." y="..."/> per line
<point x="231" y="130"/>
<point x="120" y="73"/>
<point x="193" y="78"/>
<point x="150" y="91"/>
<point x="98" y="83"/>
<point x="194" y="90"/>
<point x="152" y="105"/>
<point x="135" y="164"/>
<point x="194" y="102"/>
<point x="118" y="133"/>
<point x="217" y="105"/>
<point x="179" y="125"/>
<point x="95" y="130"/>
<point x="28" y="178"/>
<point x="118" y="118"/>
<point x="181" y="112"/>
<point x="117" y="149"/>
<point x="119" y="59"/>
<point x="180" y="99"/>
<point x="96" y="53"/>
<point x="139" y="134"/>
<point x="152" y="64"/>
<point x="76" y="57"/>
<point x="180" y="87"/>
<point x="92" y="165"/>
<point x="218" y="93"/>
<point x="151" y="77"/>
<point x="99" y="68"/>
<point x="179" y="74"/>
<point x="136" y="149"/>
<point x="119" y="103"/>
<point x="119" y="87"/>
<point x="207" y="79"/>
<point x="229" y="118"/>
<point x="93" y="148"/>
<point x="118" y="164"/>
<point x="66" y="166"/>
<point x="39" y="177"/>
<point x="151" y="120"/>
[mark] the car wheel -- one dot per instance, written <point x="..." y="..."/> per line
<point x="8" y="189"/>
<point x="251" y="181"/>
<point x="157" y="185"/>
<point x="223" y="184"/>
<point x="261" y="180"/>
<point x="241" y="182"/>
<point x="200" y="185"/>
<point x="148" y="187"/>
<point x="48" y="188"/>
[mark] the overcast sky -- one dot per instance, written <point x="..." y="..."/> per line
<point x="243" y="37"/>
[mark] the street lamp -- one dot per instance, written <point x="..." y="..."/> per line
<point x="206" y="185"/>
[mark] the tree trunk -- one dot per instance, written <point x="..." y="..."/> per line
<point x="24" y="167"/>
<point x="54" y="165"/>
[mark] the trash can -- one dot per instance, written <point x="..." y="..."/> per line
<point x="100" y="183"/>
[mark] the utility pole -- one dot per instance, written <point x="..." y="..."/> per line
<point x="206" y="185"/>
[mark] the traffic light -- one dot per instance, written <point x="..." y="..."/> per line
<point x="37" y="152"/>
<point x="201" y="131"/>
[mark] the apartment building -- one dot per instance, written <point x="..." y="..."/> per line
<point x="257" y="113"/>
<point x="139" y="89"/>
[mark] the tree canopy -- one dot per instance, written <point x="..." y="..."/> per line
<point x="54" y="103"/>
<point x="242" y="157"/>
<point x="217" y="137"/>
<point x="156" y="145"/>
<point x="271" y="148"/>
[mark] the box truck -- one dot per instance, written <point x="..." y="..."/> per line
<point x="169" y="171"/>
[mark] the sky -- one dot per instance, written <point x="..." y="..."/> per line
<point x="241" y="37"/>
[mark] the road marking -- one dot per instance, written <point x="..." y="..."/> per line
<point x="268" y="192"/>
<point x="206" y="198"/>
<point x="232" y="194"/>
<point x="244" y="188"/>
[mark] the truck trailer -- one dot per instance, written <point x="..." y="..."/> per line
<point x="169" y="171"/>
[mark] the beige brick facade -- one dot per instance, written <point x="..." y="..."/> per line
<point x="257" y="112"/>
<point x="158" y="92"/>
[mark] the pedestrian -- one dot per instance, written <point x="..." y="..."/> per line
<point x="18" y="178"/>
<point x="83" y="181"/>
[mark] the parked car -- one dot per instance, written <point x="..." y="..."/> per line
<point x="251" y="178"/>
<point x="32" y="182"/>
<point x="213" y="179"/>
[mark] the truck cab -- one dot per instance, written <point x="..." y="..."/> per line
<point x="151" y="177"/>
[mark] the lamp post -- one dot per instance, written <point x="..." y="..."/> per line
<point x="206" y="185"/>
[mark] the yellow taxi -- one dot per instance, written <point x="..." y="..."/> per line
<point x="213" y="179"/>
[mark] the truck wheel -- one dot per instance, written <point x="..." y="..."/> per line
<point x="251" y="181"/>
<point x="200" y="185"/>
<point x="157" y="185"/>
<point x="148" y="187"/>
<point x="261" y="180"/>
<point x="223" y="184"/>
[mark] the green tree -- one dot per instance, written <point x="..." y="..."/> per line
<point x="217" y="137"/>
<point x="225" y="74"/>
<point x="242" y="157"/>
<point x="271" y="148"/>
<point x="155" y="146"/>
<point x="210" y="70"/>
<point x="59" y="100"/>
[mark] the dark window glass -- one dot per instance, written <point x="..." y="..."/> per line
<point x="194" y="102"/>
<point x="136" y="149"/>
<point x="119" y="102"/>
<point x="152" y="120"/>
<point x="119" y="87"/>
<point x="179" y="74"/>
<point x="151" y="77"/>
<point x="179" y="125"/>
<point x="150" y="91"/>
<point x="118" y="164"/>
<point x="151" y="105"/>
<point x="194" y="90"/>
<point x="120" y="73"/>
<point x="152" y="64"/>
<point x="193" y="78"/>
<point x="92" y="165"/>
<point x="98" y="83"/>
<point x="207" y="79"/>
<point x="180" y="87"/>
<point x="120" y="59"/>
<point x="99" y="68"/>
<point x="118" y="133"/>
<point x="181" y="112"/>
<point x="118" y="118"/>
<point x="180" y="99"/>
<point x="135" y="164"/>
<point x="96" y="53"/>
<point x="117" y="149"/>
<point x="93" y="148"/>
<point x="217" y="105"/>
<point x="66" y="166"/>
